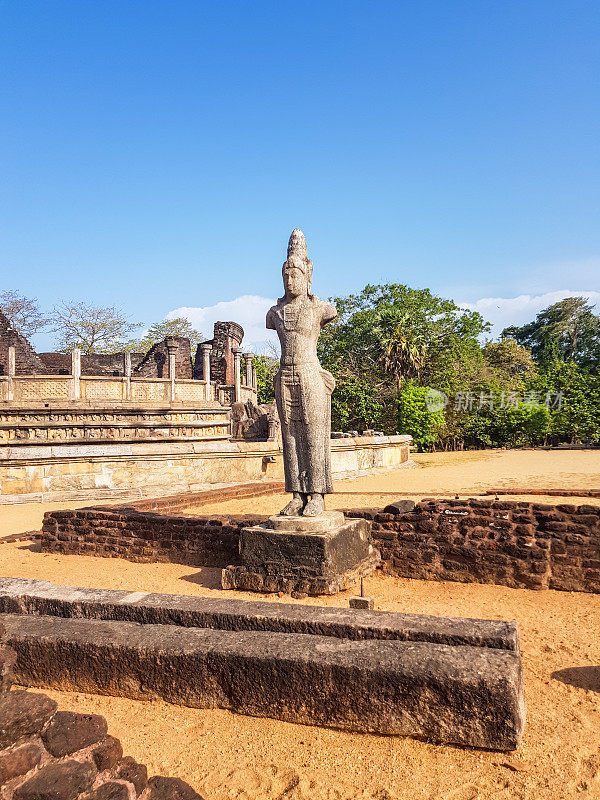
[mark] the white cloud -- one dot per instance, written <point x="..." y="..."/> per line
<point x="249" y="311"/>
<point x="505" y="311"/>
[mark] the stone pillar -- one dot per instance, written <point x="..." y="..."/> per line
<point x="206" y="349"/>
<point x="248" y="359"/>
<point x="12" y="369"/>
<point x="237" y="373"/>
<point x="254" y="379"/>
<point x="127" y="374"/>
<point x="76" y="372"/>
<point x="172" y="346"/>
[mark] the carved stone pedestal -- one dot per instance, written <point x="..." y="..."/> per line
<point x="315" y="555"/>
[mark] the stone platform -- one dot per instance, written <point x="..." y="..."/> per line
<point x="312" y="555"/>
<point x="447" y="680"/>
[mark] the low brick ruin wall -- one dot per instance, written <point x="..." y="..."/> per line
<point x="517" y="544"/>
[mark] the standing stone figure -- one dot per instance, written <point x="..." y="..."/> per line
<point x="302" y="388"/>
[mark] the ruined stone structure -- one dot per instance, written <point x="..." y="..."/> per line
<point x="227" y="337"/>
<point x="153" y="364"/>
<point x="22" y="359"/>
<point x="517" y="544"/>
<point x="447" y="680"/>
<point x="75" y="425"/>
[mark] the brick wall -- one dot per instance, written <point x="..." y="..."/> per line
<point x="144" y="537"/>
<point x="517" y="544"/>
<point x="47" y="753"/>
<point x="226" y="336"/>
<point x="155" y="364"/>
<point x="26" y="360"/>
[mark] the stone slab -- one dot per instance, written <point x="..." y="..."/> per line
<point x="469" y="696"/>
<point x="327" y="521"/>
<point x="27" y="596"/>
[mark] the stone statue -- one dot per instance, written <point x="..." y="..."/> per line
<point x="302" y="388"/>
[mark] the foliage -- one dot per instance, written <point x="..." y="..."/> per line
<point x="565" y="331"/>
<point x="158" y="331"/>
<point x="537" y="385"/>
<point x="22" y="312"/>
<point x="390" y="334"/>
<point x="354" y="405"/>
<point x="266" y="369"/>
<point x="415" y="418"/>
<point x="91" y="328"/>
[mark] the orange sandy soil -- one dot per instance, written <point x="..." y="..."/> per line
<point x="232" y="756"/>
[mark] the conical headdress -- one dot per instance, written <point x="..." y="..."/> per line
<point x="297" y="245"/>
<point x="297" y="248"/>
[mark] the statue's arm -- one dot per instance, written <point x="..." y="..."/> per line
<point x="328" y="313"/>
<point x="270" y="323"/>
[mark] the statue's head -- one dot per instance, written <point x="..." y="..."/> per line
<point x="297" y="270"/>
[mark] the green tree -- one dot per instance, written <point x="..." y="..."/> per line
<point x="416" y="418"/>
<point x="565" y="331"/>
<point x="266" y="369"/>
<point x="390" y="334"/>
<point x="158" y="331"/>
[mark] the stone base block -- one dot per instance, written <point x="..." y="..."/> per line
<point x="448" y="694"/>
<point x="316" y="556"/>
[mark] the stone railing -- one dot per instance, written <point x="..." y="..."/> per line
<point x="23" y="389"/>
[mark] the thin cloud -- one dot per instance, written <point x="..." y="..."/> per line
<point x="505" y="311"/>
<point x="248" y="310"/>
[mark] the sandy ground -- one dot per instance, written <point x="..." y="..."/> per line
<point x="231" y="756"/>
<point x="468" y="473"/>
<point x="465" y="474"/>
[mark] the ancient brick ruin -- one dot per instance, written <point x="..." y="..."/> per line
<point x="518" y="544"/>
<point x="153" y="364"/>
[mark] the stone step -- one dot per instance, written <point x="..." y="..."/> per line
<point x="25" y="596"/>
<point x="445" y="693"/>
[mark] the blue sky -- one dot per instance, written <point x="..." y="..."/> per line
<point x="156" y="155"/>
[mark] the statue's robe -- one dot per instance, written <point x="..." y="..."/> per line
<point x="303" y="395"/>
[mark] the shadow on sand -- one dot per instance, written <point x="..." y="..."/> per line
<point x="209" y="577"/>
<point x="581" y="677"/>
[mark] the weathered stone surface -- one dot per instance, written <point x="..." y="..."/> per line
<point x="58" y="781"/>
<point x="19" y="760"/>
<point x="399" y="507"/>
<point x="69" y="732"/>
<point x="107" y="753"/>
<point x="129" y="770"/>
<point x="302" y="387"/>
<point x="326" y="521"/>
<point x="111" y="790"/>
<point x="7" y="660"/>
<point x="299" y="553"/>
<point x="23" y="714"/>
<point x="359" y="601"/>
<point x="464" y="695"/>
<point x="170" y="789"/>
<point x="23" y="596"/>
<point x="296" y="560"/>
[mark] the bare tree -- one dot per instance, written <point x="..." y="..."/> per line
<point x="22" y="312"/>
<point x="92" y="329"/>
